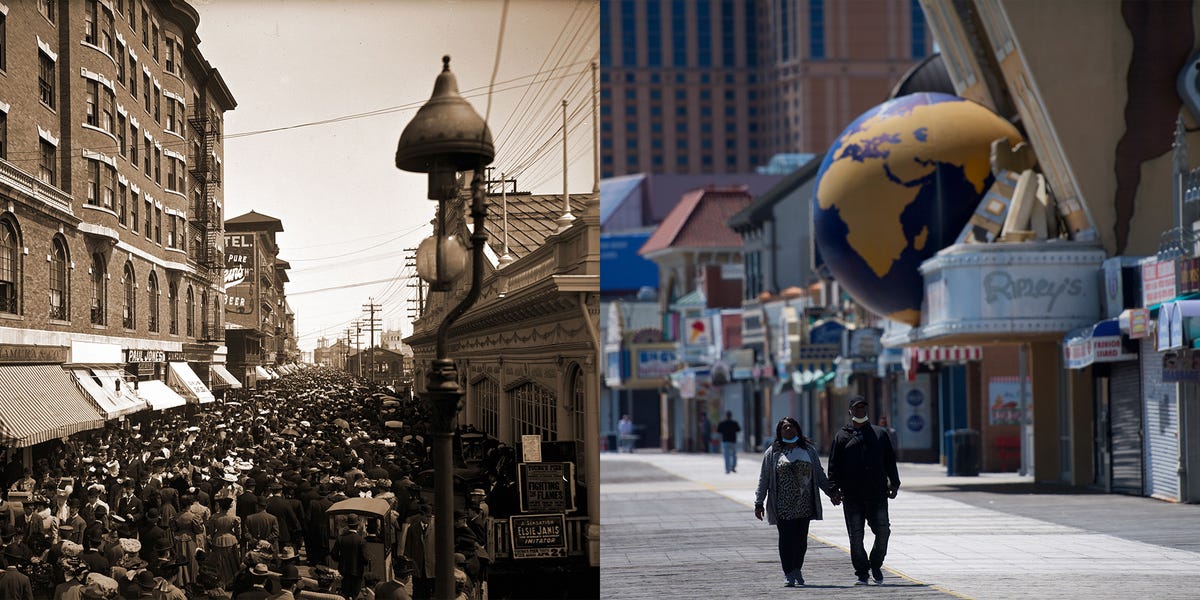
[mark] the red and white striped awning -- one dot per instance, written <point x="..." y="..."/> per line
<point x="935" y="354"/>
<point x="913" y="357"/>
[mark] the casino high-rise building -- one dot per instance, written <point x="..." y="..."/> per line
<point x="720" y="86"/>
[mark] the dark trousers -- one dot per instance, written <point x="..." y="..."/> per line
<point x="793" y="543"/>
<point x="875" y="514"/>
<point x="351" y="585"/>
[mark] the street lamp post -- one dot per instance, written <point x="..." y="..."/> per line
<point x="444" y="138"/>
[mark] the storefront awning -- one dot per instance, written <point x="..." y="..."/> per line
<point x="934" y="354"/>
<point x="262" y="373"/>
<point x="185" y="381"/>
<point x="129" y="402"/>
<point x="104" y="391"/>
<point x="1098" y="343"/>
<point x="1177" y="325"/>
<point x="914" y="356"/>
<point x="224" y="375"/>
<point x="159" y="395"/>
<point x="40" y="403"/>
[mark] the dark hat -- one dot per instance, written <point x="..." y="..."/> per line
<point x="145" y="580"/>
<point x="289" y="573"/>
<point x="856" y="400"/>
<point x="403" y="566"/>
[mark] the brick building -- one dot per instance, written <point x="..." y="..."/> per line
<point x="259" y="325"/>
<point x="110" y="204"/>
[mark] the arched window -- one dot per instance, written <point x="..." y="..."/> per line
<point x="486" y="393"/>
<point x="152" y="296"/>
<point x="127" y="311"/>
<point x="190" y="317"/>
<point x="60" y="297"/>
<point x="10" y="267"/>
<point x="534" y="411"/>
<point x="204" y="333"/>
<point x="173" y="307"/>
<point x="99" y="289"/>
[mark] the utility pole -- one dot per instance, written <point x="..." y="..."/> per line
<point x="346" y="353"/>
<point x="357" y="349"/>
<point x="372" y="322"/>
<point x="417" y="307"/>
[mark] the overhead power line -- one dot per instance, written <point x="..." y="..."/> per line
<point x="341" y="287"/>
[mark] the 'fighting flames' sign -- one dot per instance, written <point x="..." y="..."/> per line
<point x="547" y="486"/>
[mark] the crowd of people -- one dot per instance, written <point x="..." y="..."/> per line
<point x="229" y="500"/>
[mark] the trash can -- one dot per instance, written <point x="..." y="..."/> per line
<point x="962" y="452"/>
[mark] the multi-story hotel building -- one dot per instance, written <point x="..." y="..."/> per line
<point x="720" y="86"/>
<point x="110" y="211"/>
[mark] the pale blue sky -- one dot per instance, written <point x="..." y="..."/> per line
<point x="335" y="186"/>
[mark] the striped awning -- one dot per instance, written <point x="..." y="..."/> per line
<point x="225" y="377"/>
<point x="913" y="357"/>
<point x="40" y="403"/>
<point x="129" y="402"/>
<point x="159" y="395"/>
<point x="943" y="354"/>
<point x="185" y="381"/>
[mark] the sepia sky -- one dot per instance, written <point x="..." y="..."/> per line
<point x="338" y="81"/>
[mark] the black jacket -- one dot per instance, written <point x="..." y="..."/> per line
<point x="862" y="463"/>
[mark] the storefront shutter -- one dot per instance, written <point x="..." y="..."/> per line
<point x="1125" y="416"/>
<point x="1161" y="427"/>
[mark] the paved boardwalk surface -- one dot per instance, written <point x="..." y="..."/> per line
<point x="675" y="525"/>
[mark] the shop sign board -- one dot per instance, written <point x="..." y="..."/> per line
<point x="538" y="536"/>
<point x="15" y="353"/>
<point x="239" y="273"/>
<point x="1158" y="281"/>
<point x="546" y="486"/>
<point x="1187" y="275"/>
<point x="655" y="363"/>
<point x="1004" y="400"/>
<point x="1135" y="322"/>
<point x="914" y="421"/>
<point x="1178" y="367"/>
<point x="1048" y="288"/>
<point x="135" y="355"/>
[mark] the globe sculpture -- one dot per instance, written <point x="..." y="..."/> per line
<point x="898" y="185"/>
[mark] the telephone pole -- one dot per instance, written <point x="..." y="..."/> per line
<point x="346" y="354"/>
<point x="357" y="340"/>
<point x="417" y="303"/>
<point x="372" y="322"/>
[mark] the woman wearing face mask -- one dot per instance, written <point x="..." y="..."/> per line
<point x="788" y="481"/>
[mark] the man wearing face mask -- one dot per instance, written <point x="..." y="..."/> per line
<point x="862" y="465"/>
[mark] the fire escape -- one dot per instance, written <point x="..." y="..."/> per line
<point x="205" y="216"/>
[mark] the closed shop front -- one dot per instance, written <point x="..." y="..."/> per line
<point x="1160" y="426"/>
<point x="1124" y="425"/>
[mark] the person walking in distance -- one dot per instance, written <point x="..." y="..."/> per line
<point x="788" y="481"/>
<point x="625" y="434"/>
<point x="862" y="467"/>
<point x="729" y="430"/>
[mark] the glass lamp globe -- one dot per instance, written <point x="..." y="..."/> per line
<point x="454" y="258"/>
